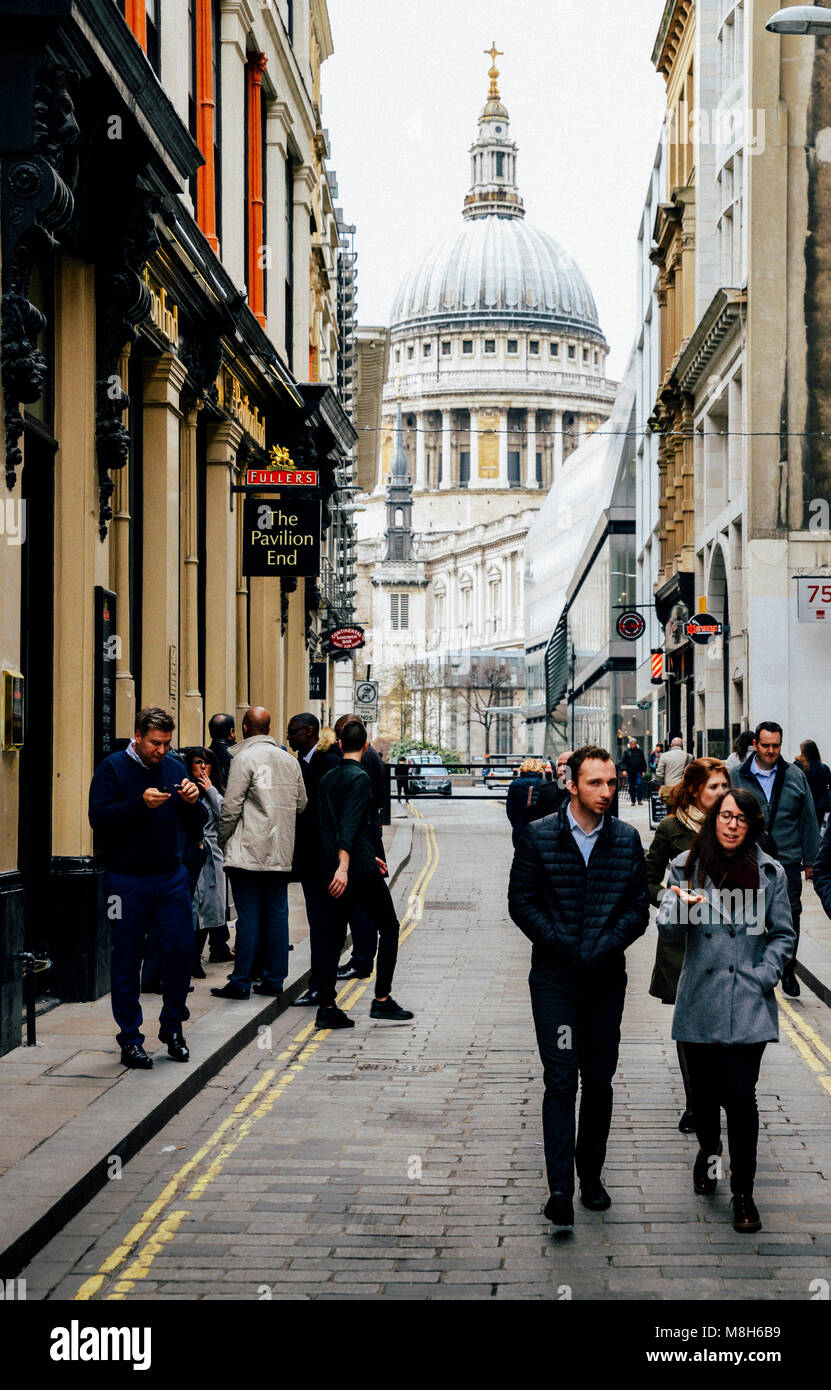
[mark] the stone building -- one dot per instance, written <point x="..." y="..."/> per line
<point x="496" y="373"/>
<point x="169" y="320"/>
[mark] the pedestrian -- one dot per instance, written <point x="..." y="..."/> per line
<point x="822" y="871"/>
<point x="741" y="748"/>
<point x="635" y="765"/>
<point x="654" y="757"/>
<point x="362" y="927"/>
<point x="792" y="837"/>
<point x="578" y="890"/>
<point x="555" y="793"/>
<point x="670" y="766"/>
<point x="728" y="901"/>
<point x="354" y="873"/>
<point x="222" y="729"/>
<point x="144" y="809"/>
<point x="208" y="895"/>
<point x="703" y="782"/>
<point x="317" y="755"/>
<point x="522" y="801"/>
<point x="263" y="798"/>
<point x="402" y="773"/>
<point x="818" y="775"/>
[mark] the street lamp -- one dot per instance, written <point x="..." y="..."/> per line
<point x="801" y="19"/>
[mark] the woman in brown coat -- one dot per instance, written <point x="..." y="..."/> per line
<point x="700" y="787"/>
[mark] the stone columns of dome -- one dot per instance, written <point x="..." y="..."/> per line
<point x="503" y="449"/>
<point x="531" y="449"/>
<point x="557" y="426"/>
<point x="446" y="451"/>
<point x="475" y="481"/>
<point x="581" y="429"/>
<point x="421" y="453"/>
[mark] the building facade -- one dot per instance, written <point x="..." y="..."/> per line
<point x="495" y="373"/>
<point x="169" y="318"/>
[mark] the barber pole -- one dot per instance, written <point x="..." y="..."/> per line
<point x="657" y="666"/>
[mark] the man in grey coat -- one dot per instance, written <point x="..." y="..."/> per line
<point x="264" y="796"/>
<point x="671" y="764"/>
<point x="782" y="790"/>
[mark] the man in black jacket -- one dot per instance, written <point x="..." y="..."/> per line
<point x="144" y="809"/>
<point x="578" y="891"/>
<point x="354" y="873"/>
<point x="303" y="735"/>
<point x="363" y="929"/>
<point x="634" y="764"/>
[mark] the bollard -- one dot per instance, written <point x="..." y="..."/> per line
<point x="31" y="965"/>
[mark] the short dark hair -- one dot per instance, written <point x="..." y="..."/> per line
<point x="767" y="726"/>
<point x="352" y="735"/>
<point x="743" y="743"/>
<point x="152" y="717"/>
<point x="306" y="721"/>
<point x="220" y="725"/>
<point x="810" y="751"/>
<point x="583" y="755"/>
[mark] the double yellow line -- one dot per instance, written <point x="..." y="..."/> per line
<point x="137" y="1258"/>
<point x="811" y="1047"/>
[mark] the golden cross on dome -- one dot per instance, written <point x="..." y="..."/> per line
<point x="493" y="53"/>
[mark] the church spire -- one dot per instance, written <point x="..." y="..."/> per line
<point x="493" y="188"/>
<point x="399" y="502"/>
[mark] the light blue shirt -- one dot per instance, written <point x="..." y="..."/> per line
<point x="766" y="777"/>
<point x="130" y="750"/>
<point x="585" y="839"/>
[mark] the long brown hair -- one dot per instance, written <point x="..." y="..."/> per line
<point x="707" y="853"/>
<point x="696" y="776"/>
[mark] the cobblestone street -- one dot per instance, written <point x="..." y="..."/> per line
<point x="406" y="1161"/>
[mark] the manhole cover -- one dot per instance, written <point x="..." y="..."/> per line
<point x="449" y="907"/>
<point x="412" y="1068"/>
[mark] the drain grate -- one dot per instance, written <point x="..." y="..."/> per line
<point x="448" y="907"/>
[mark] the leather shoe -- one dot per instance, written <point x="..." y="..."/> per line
<point x="177" y="1048"/>
<point x="745" y="1215"/>
<point x="387" y="1008"/>
<point x="594" y="1196"/>
<point x="333" y="1017"/>
<point x="197" y="973"/>
<point x="790" y="985"/>
<point x="703" y="1183"/>
<point x="304" y="1000"/>
<point x="134" y="1055"/>
<point x="267" y="989"/>
<point x="559" y="1210"/>
<point x="230" y="992"/>
<point x="348" y="972"/>
<point x="686" y="1124"/>
<point x="219" y="957"/>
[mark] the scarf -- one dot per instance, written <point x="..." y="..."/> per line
<point x="691" y="819"/>
<point x="738" y="871"/>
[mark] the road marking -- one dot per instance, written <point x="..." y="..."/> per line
<point x="165" y="1231"/>
<point x="791" y="1017"/>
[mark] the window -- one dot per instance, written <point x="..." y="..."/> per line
<point x="585" y="354"/>
<point x="513" y="468"/>
<point x="410" y="351"/>
<point x="464" y="467"/>
<point x="500" y="165"/>
<point x="427" y="348"/>
<point x="467" y="347"/>
<point x="555" y="349"/>
<point x="445" y="349"/>
<point x="572" y="351"/>
<point x="534" y="347"/>
<point x="490" y="345"/>
<point x="513" y="345"/>
<point x="398" y="354"/>
<point x="399" y="612"/>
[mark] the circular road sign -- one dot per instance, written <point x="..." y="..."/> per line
<point x="631" y="626"/>
<point x="366" y="693"/>
<point x="703" y="629"/>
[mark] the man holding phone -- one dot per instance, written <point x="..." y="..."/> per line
<point x="144" y="809"/>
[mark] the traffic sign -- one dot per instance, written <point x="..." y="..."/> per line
<point x="366" y="701"/>
<point x="631" y="626"/>
<point x="703" y="629"/>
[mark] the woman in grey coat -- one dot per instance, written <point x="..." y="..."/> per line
<point x="728" y="901"/>
<point x="209" y="898"/>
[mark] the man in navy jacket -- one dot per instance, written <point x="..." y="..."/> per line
<point x="144" y="810"/>
<point x="578" y="891"/>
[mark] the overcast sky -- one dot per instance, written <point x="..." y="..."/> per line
<point x="401" y="98"/>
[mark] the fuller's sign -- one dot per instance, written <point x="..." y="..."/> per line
<point x="281" y="477"/>
<point x="281" y="538"/>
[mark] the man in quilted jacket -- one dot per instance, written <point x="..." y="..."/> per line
<point x="578" y="890"/>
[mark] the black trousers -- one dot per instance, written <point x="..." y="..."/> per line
<point x="726" y="1076"/>
<point x="367" y="890"/>
<point x="577" y="1017"/>
<point x="793" y="873"/>
<point x="317" y="914"/>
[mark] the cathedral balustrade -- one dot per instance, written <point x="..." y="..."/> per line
<point x="431" y="384"/>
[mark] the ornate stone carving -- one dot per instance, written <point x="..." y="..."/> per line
<point x="287" y="586"/>
<point x="202" y="355"/>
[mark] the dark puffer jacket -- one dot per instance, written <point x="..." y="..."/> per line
<point x="576" y="913"/>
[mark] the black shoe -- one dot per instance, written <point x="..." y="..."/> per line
<point x="333" y="1017"/>
<point x="348" y="972"/>
<point x="134" y="1055"/>
<point x="746" y="1218"/>
<point x="790" y="985"/>
<point x="230" y="992"/>
<point x="559" y="1210"/>
<point x="177" y="1048"/>
<point x="304" y="1000"/>
<point x="594" y="1196"/>
<point x="387" y="1008"/>
<point x="686" y="1124"/>
<point x="219" y="957"/>
<point x="703" y="1184"/>
<point x="197" y="973"/>
<point x="268" y="989"/>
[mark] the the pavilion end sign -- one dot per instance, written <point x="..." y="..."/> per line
<point x="281" y="538"/>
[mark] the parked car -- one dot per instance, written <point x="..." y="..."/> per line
<point x="498" y="775"/>
<point x="428" y="775"/>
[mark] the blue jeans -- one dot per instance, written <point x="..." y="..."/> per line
<point x="635" y="787"/>
<point x="262" y="917"/>
<point x="155" y="907"/>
